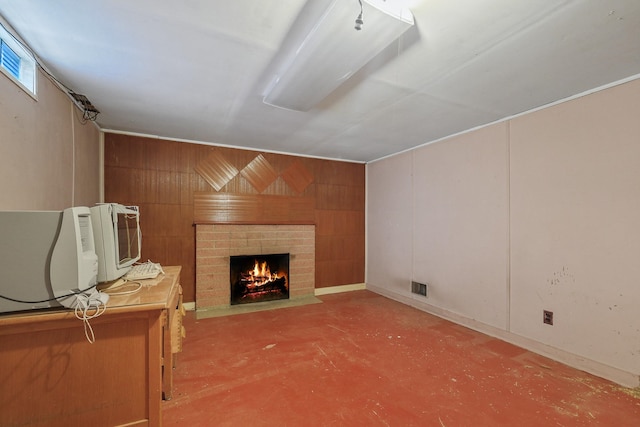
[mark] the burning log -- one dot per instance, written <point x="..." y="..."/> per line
<point x="278" y="284"/>
<point x="259" y="283"/>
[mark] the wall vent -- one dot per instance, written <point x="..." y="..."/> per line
<point x="419" y="288"/>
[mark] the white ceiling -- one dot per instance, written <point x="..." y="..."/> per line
<point x="195" y="69"/>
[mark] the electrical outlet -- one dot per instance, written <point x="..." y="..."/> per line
<point x="547" y="317"/>
<point x="419" y="288"/>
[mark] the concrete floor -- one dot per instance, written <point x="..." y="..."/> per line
<point x="359" y="359"/>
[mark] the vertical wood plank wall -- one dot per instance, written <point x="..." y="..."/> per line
<point x="160" y="176"/>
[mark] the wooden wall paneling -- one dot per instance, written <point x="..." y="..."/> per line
<point x="353" y="248"/>
<point x="278" y="161"/>
<point x="126" y="186"/>
<point x="197" y="184"/>
<point x="338" y="249"/>
<point x="238" y="158"/>
<point x="244" y="209"/>
<point x="186" y="220"/>
<point x="118" y="183"/>
<point x="164" y="222"/>
<point x="163" y="218"/>
<point x="186" y="192"/>
<point x="252" y="209"/>
<point x="149" y="182"/>
<point x="350" y="223"/>
<point x="326" y="274"/>
<point x="324" y="247"/>
<point x="239" y="185"/>
<point x="339" y="197"/>
<point x="121" y="151"/>
<point x="324" y="223"/>
<point x="259" y="173"/>
<point x="216" y="170"/>
<point x="301" y="210"/>
<point x="139" y="151"/>
<point x="149" y="172"/>
<point x="188" y="156"/>
<point x="348" y="272"/>
<point x="169" y="186"/>
<point x="338" y="173"/>
<point x="297" y="176"/>
<point x="205" y="210"/>
<point x="280" y="188"/>
<point x="356" y="221"/>
<point x="156" y="249"/>
<point x="163" y="155"/>
<point x="335" y="273"/>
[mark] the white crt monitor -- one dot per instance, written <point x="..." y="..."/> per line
<point x="46" y="257"/>
<point x="117" y="237"/>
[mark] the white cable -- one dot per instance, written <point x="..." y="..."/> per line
<point x="86" y="303"/>
<point x="73" y="159"/>
<point x="112" y="290"/>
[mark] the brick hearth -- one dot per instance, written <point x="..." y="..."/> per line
<point x="215" y="243"/>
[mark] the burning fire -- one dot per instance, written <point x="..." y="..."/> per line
<point x="260" y="275"/>
<point x="260" y="281"/>
<point x="261" y="270"/>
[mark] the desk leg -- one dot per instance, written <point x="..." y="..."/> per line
<point x="156" y="320"/>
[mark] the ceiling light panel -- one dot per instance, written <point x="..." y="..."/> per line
<point x="333" y="50"/>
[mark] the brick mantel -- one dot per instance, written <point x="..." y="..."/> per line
<point x="215" y="243"/>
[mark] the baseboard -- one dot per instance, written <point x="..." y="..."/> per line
<point x="618" y="376"/>
<point x="341" y="288"/>
<point x="230" y="310"/>
<point x="191" y="306"/>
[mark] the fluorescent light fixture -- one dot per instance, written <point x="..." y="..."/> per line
<point x="334" y="50"/>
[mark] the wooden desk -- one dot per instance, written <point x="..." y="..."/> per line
<point x="50" y="375"/>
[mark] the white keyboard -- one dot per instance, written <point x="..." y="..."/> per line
<point x="147" y="270"/>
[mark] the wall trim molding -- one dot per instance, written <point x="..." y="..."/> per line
<point x="341" y="288"/>
<point x="623" y="378"/>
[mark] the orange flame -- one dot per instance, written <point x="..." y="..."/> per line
<point x="261" y="270"/>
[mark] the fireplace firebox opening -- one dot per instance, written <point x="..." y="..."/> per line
<point x="259" y="278"/>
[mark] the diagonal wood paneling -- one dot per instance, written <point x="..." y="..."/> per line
<point x="297" y="176"/>
<point x="216" y="208"/>
<point x="259" y="173"/>
<point x="216" y="170"/>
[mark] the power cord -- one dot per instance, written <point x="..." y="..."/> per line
<point x="359" y="20"/>
<point x="89" y="306"/>
<point x="48" y="299"/>
<point x="116" y="288"/>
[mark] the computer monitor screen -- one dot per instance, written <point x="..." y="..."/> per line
<point x="116" y="232"/>
<point x="128" y="237"/>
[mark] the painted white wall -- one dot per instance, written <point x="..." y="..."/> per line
<point x="439" y="215"/>
<point x="49" y="158"/>
<point x="460" y="230"/>
<point x="389" y="223"/>
<point x="538" y="212"/>
<point x="575" y="226"/>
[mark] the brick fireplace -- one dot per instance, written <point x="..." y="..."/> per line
<point x="216" y="243"/>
